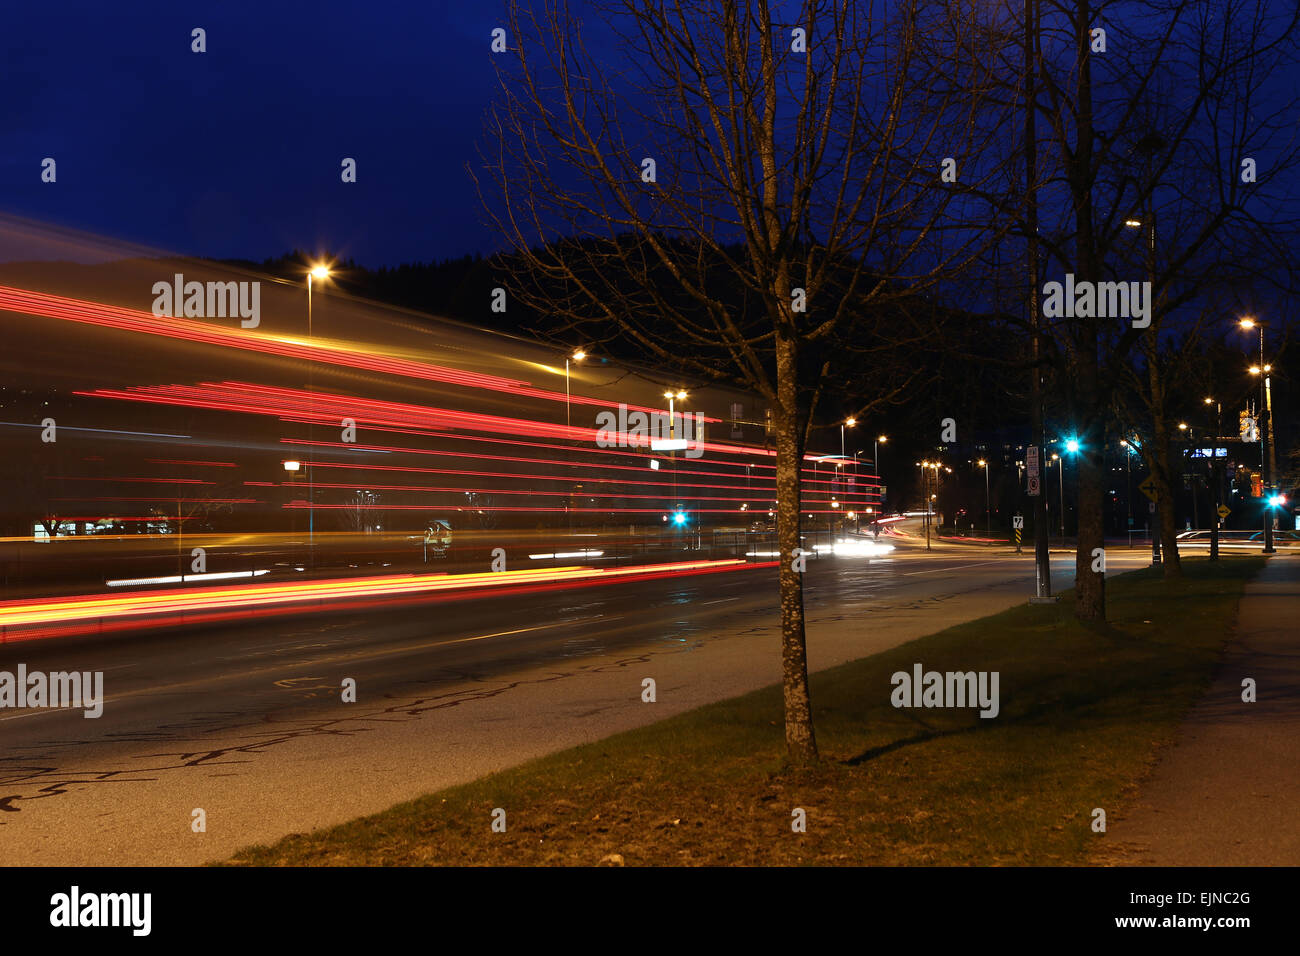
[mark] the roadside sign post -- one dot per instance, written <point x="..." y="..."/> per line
<point x="1017" y="525"/>
<point x="1148" y="488"/>
<point x="1042" y="556"/>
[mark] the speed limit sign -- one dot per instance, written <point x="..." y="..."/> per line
<point x="1033" y="485"/>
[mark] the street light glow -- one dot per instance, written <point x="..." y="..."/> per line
<point x="1247" y="323"/>
<point x="320" y="272"/>
<point x="579" y="355"/>
<point x="1072" y="445"/>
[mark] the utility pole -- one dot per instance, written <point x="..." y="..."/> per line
<point x="1042" y="560"/>
<point x="1216" y="479"/>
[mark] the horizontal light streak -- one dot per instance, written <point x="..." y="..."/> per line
<point x="185" y="578"/>
<point x="64" y="610"/>
<point x="760" y="482"/>
<point x="567" y="554"/>
<point x="759" y="491"/>
<point x="132" y="320"/>
<point x="303" y="505"/>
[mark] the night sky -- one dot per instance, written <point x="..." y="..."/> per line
<point x="236" y="152"/>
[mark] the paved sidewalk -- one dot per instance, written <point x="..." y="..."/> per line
<point x="1228" y="792"/>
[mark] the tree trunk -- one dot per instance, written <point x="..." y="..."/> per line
<point x="1090" y="584"/>
<point x="1164" y="478"/>
<point x="800" y="742"/>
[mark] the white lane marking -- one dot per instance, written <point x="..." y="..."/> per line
<point x="36" y="712"/>
<point x="953" y="567"/>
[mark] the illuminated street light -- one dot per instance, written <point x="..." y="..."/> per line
<point x="292" y="465"/>
<point x="848" y="423"/>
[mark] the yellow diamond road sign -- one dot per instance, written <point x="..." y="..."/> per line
<point x="1224" y="511"/>
<point x="1148" y="488"/>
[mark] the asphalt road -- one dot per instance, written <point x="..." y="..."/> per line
<point x="246" y="721"/>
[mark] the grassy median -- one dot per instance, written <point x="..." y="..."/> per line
<point x="1084" y="712"/>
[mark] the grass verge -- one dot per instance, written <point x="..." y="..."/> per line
<point x="1084" y="711"/>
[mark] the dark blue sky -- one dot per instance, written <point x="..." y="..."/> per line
<point x="236" y="152"/>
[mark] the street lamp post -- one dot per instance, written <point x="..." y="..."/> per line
<point x="875" y="463"/>
<point x="925" y="496"/>
<point x="316" y="272"/>
<point x="1128" y="487"/>
<point x="1196" y="511"/>
<point x="1265" y="433"/>
<point x="672" y="425"/>
<point x="988" y="511"/>
<point x="847" y="423"/>
<point x="1060" y="467"/>
<point x="1215" y="479"/>
<point x="577" y="356"/>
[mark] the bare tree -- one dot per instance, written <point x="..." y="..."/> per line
<point x="748" y="191"/>
<point x="1135" y="97"/>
